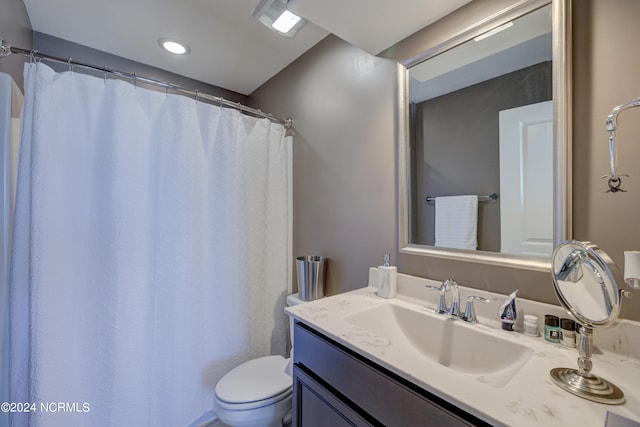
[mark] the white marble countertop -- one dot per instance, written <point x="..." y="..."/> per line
<point x="529" y="398"/>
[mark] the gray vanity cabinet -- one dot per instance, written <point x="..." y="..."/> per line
<point x="318" y="407"/>
<point x="334" y="386"/>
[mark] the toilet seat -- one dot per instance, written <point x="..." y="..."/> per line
<point x="245" y="406"/>
<point x="254" y="384"/>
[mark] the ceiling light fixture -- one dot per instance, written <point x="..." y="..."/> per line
<point x="494" y="31"/>
<point x="286" y="22"/>
<point x="174" y="46"/>
<point x="274" y="15"/>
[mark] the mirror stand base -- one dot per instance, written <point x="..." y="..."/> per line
<point x="588" y="387"/>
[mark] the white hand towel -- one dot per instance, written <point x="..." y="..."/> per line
<point x="457" y="222"/>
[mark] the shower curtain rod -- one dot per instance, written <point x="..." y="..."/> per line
<point x="6" y="49"/>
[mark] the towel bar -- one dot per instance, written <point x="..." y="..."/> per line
<point x="489" y="198"/>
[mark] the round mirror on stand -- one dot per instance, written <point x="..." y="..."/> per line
<point x="584" y="280"/>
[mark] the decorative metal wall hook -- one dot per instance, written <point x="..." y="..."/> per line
<point x="614" y="183"/>
<point x="70" y="65"/>
<point x="614" y="180"/>
<point x="614" y="186"/>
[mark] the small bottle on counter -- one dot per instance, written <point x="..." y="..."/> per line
<point x="568" y="332"/>
<point x="387" y="279"/>
<point x="551" y="328"/>
<point x="531" y="325"/>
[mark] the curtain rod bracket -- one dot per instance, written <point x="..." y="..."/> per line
<point x="5" y="48"/>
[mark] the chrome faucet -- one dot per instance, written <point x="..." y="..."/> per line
<point x="469" y="311"/>
<point x="448" y="292"/>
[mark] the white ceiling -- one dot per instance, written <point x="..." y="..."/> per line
<point x="229" y="48"/>
<point x="374" y="25"/>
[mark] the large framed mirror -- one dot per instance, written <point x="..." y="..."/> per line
<point x="487" y="113"/>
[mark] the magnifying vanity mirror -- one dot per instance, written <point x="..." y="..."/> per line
<point x="585" y="281"/>
<point x="486" y="113"/>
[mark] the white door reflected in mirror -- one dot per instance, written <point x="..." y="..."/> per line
<point x="526" y="179"/>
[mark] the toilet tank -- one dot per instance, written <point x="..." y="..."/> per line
<point x="293" y="299"/>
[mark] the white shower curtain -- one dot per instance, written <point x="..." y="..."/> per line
<point x="151" y="251"/>
<point x="10" y="107"/>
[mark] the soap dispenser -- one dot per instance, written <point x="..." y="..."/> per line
<point x="387" y="279"/>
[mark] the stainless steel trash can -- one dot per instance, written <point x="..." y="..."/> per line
<point x="311" y="276"/>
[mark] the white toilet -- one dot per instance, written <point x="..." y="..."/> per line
<point x="258" y="392"/>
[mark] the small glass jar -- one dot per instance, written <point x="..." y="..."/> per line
<point x="551" y="328"/>
<point x="568" y="332"/>
<point x="531" y="325"/>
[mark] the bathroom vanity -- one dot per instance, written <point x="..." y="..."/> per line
<point x="363" y="360"/>
<point x="338" y="387"/>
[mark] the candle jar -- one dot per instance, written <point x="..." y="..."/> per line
<point x="568" y="332"/>
<point x="551" y="328"/>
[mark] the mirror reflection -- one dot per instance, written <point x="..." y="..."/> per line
<point x="584" y="282"/>
<point x="481" y="124"/>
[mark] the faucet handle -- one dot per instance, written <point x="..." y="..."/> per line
<point x="470" y="311"/>
<point x="442" y="304"/>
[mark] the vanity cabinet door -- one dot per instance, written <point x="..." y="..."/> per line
<point x="361" y="388"/>
<point x="315" y="406"/>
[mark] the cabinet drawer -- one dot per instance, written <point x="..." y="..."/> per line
<point x="315" y="406"/>
<point x="388" y="398"/>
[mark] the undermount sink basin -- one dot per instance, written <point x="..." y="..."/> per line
<point x="451" y="343"/>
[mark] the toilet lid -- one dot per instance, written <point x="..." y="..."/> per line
<point x="257" y="379"/>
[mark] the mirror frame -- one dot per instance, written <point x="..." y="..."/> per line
<point x="562" y="110"/>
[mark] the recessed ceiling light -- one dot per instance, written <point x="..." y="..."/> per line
<point x="174" y="46"/>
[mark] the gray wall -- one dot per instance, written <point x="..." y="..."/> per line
<point x="606" y="63"/>
<point x="345" y="151"/>
<point x="452" y="160"/>
<point x="344" y="156"/>
<point x="16" y="29"/>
